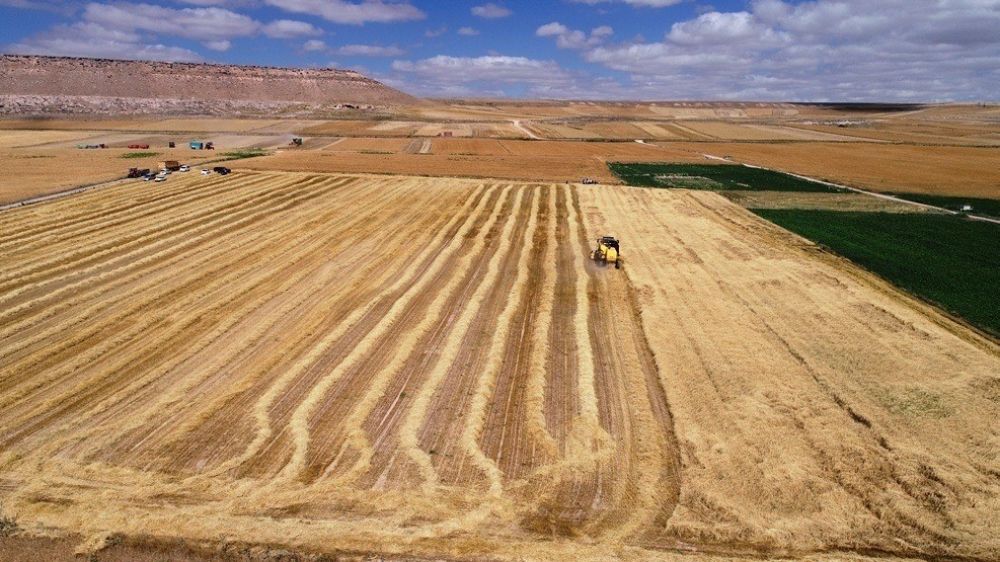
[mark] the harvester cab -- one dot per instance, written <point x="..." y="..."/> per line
<point x="608" y="251"/>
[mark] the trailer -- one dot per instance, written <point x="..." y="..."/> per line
<point x="142" y="146"/>
<point x="197" y="145"/>
<point x="172" y="165"/>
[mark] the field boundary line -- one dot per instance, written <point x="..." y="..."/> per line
<point x="60" y="194"/>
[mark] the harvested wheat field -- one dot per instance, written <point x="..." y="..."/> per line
<point x="431" y="367"/>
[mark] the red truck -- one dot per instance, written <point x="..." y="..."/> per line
<point x="144" y="146"/>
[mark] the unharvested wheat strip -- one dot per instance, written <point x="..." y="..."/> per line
<point x="43" y="232"/>
<point x="103" y="259"/>
<point x="494" y="357"/>
<point x="317" y="239"/>
<point x="169" y="400"/>
<point x="402" y="229"/>
<point x="167" y="258"/>
<point x="191" y="201"/>
<point x="356" y="434"/>
<point x="299" y="424"/>
<point x="205" y="232"/>
<point x="409" y="432"/>
<point x="50" y="374"/>
<point x="261" y="409"/>
<point x="155" y="233"/>
<point x="266" y="290"/>
<point x="219" y="282"/>
<point x="535" y="395"/>
<point x="95" y="232"/>
<point x="589" y="411"/>
<point x="75" y="208"/>
<point x="218" y="248"/>
<point x="212" y="274"/>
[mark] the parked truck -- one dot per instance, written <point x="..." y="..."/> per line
<point x="138" y="173"/>
<point x="172" y="165"/>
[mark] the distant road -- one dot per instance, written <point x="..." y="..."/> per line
<point x="517" y="123"/>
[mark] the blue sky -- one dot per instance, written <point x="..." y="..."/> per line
<point x="816" y="50"/>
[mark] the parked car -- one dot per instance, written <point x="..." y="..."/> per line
<point x="185" y="168"/>
<point x="160" y="178"/>
<point x="221" y="170"/>
<point x="148" y="177"/>
<point x="205" y="172"/>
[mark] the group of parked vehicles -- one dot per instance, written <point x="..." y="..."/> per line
<point x="166" y="168"/>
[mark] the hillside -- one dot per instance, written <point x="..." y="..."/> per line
<point x="36" y="84"/>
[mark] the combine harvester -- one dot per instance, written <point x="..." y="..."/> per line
<point x="608" y="251"/>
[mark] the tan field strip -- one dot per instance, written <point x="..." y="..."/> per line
<point x="433" y="367"/>
<point x="939" y="170"/>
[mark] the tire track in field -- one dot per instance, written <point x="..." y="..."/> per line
<point x="645" y="476"/>
<point x="487" y="382"/>
<point x="226" y="414"/>
<point x="168" y="258"/>
<point x="121" y="248"/>
<point x="85" y="389"/>
<point x="51" y="354"/>
<point x="254" y="209"/>
<point x="259" y="324"/>
<point x="361" y="324"/>
<point x="448" y="338"/>
<point x="561" y="396"/>
<point x="443" y="434"/>
<point x="186" y="199"/>
<point x="346" y="454"/>
<point x="61" y="228"/>
<point x="200" y="250"/>
<point x="390" y="425"/>
<point x="96" y="352"/>
<point x="506" y="435"/>
<point x="303" y="379"/>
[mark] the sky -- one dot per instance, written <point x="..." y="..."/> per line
<point x="752" y="50"/>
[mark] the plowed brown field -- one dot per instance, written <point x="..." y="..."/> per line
<point x="433" y="367"/>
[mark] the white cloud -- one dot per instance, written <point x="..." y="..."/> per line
<point x="844" y="50"/>
<point x="288" y="29"/>
<point x="220" y="45"/>
<point x="491" y="74"/>
<point x="467" y="31"/>
<point x="354" y="13"/>
<point x="313" y="45"/>
<point x="490" y="11"/>
<point x="370" y="51"/>
<point x="567" y="38"/>
<point x="437" y="32"/>
<point x="89" y="40"/>
<point x="202" y="24"/>
<point x="637" y="3"/>
<point x="715" y="28"/>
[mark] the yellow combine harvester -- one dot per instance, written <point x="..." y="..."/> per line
<point x="608" y="251"/>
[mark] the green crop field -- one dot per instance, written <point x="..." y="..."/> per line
<point x="140" y="154"/>
<point x="714" y="177"/>
<point x="948" y="260"/>
<point x="987" y="207"/>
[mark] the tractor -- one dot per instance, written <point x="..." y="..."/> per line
<point x="608" y="251"/>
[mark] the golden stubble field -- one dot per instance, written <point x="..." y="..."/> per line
<point x="432" y="367"/>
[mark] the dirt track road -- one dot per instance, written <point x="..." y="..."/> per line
<point x="432" y="367"/>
